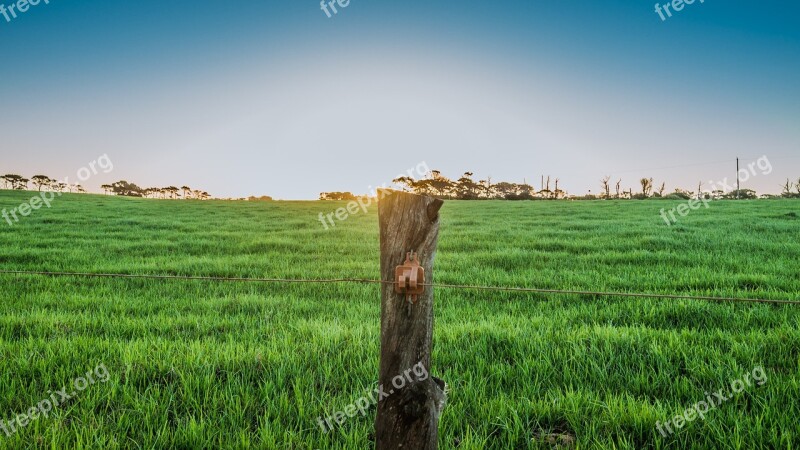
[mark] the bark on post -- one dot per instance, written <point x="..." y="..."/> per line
<point x="408" y="413"/>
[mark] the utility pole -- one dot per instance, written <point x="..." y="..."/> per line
<point x="737" y="179"/>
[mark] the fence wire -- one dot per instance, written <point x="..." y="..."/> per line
<point x="382" y="282"/>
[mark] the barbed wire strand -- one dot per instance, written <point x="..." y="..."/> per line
<point x="432" y="285"/>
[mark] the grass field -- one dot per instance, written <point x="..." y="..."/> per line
<point x="196" y="364"/>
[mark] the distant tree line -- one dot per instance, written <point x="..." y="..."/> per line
<point x="124" y="188"/>
<point x="434" y="185"/>
<point x="466" y="188"/>
<point x="791" y="190"/>
<point x="127" y="189"/>
<point x="263" y="198"/>
<point x="337" y="196"/>
<point x="40" y="182"/>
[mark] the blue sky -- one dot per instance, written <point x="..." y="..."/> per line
<point x="243" y="98"/>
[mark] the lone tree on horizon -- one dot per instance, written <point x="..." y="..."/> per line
<point x="647" y="186"/>
<point x="17" y="182"/>
<point x="41" y="181"/>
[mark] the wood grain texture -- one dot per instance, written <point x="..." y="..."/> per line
<point x="408" y="417"/>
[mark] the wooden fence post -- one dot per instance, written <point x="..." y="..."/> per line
<point x="408" y="410"/>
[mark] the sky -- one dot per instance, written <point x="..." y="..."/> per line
<point x="276" y="98"/>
